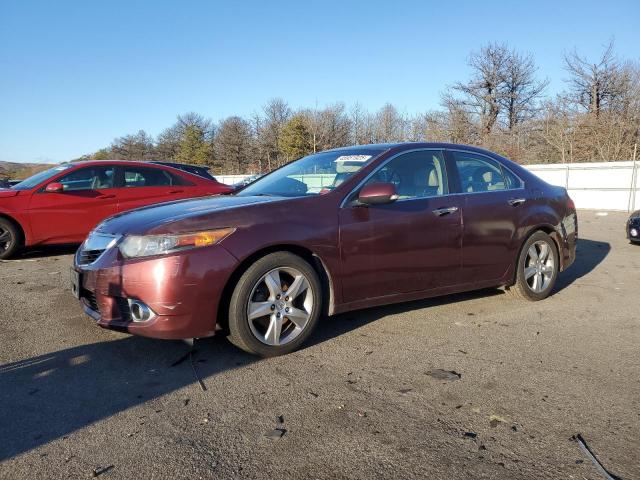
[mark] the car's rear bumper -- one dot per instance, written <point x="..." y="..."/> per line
<point x="567" y="240"/>
<point x="182" y="290"/>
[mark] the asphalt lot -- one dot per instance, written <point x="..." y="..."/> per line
<point x="363" y="400"/>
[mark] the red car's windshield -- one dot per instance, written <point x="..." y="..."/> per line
<point x="38" y="178"/>
<point x="312" y="175"/>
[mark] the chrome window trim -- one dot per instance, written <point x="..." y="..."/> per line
<point x="383" y="164"/>
<point x="502" y="165"/>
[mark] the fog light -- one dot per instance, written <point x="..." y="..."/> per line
<point x="633" y="232"/>
<point x="139" y="311"/>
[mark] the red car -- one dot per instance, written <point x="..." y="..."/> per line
<point x="335" y="231"/>
<point x="63" y="204"/>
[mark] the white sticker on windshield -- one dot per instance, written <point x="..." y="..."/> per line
<point x="353" y="158"/>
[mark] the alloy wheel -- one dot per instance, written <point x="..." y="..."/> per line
<point x="539" y="266"/>
<point x="6" y="239"/>
<point x="280" y="306"/>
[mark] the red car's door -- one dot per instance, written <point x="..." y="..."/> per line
<point x="495" y="202"/>
<point x="410" y="245"/>
<point x="148" y="185"/>
<point x="87" y="198"/>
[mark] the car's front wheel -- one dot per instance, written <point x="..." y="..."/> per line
<point x="537" y="268"/>
<point x="10" y="239"/>
<point x="275" y="305"/>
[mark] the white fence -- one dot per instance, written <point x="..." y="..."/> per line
<point x="230" y="179"/>
<point x="598" y="186"/>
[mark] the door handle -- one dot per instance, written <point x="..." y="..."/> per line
<point x="104" y="197"/>
<point x="440" y="212"/>
<point x="514" y="202"/>
<point x="175" y="191"/>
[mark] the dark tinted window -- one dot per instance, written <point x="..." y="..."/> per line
<point x="479" y="173"/>
<point x="512" y="180"/>
<point x="415" y="174"/>
<point x="148" y="177"/>
<point x="88" y="178"/>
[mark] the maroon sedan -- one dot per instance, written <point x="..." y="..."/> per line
<point x="335" y="231"/>
<point x="63" y="204"/>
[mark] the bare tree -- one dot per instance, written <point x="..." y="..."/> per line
<point x="483" y="94"/>
<point x="595" y="86"/>
<point x="233" y="145"/>
<point x="334" y="127"/>
<point x="276" y="114"/>
<point x="389" y="125"/>
<point x="520" y="90"/>
<point x="133" y="147"/>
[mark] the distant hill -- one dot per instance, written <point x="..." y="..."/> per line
<point x="19" y="171"/>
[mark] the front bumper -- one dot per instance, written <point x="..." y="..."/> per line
<point x="182" y="289"/>
<point x="633" y="226"/>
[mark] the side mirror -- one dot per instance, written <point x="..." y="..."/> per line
<point x="378" y="194"/>
<point x="54" y="187"/>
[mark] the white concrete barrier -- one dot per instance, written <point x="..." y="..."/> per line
<point x="230" y="179"/>
<point x="597" y="186"/>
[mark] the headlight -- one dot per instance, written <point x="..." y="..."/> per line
<point x="134" y="246"/>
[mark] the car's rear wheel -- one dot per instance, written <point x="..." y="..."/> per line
<point x="537" y="268"/>
<point x="275" y="305"/>
<point x="10" y="239"/>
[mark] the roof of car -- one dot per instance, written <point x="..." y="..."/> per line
<point x="410" y="145"/>
<point x="138" y="163"/>
<point x="177" y="164"/>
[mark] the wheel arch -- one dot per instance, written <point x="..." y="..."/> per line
<point x="328" y="287"/>
<point x="17" y="224"/>
<point x="549" y="230"/>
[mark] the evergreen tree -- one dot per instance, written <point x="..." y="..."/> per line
<point x="296" y="138"/>
<point x="194" y="148"/>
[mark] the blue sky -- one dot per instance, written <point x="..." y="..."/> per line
<point x="74" y="75"/>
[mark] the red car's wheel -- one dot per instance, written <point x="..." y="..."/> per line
<point x="10" y="239"/>
<point x="275" y="305"/>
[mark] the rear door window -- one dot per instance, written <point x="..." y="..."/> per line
<point x="481" y="174"/>
<point x="148" y="177"/>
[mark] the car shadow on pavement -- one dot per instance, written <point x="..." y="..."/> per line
<point x="50" y="396"/>
<point x="589" y="254"/>
<point x="45" y="251"/>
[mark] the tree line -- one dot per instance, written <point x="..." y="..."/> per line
<point x="502" y="106"/>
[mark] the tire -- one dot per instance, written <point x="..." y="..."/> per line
<point x="535" y="281"/>
<point x="11" y="239"/>
<point x="270" y="331"/>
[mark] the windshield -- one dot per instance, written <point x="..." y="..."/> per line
<point x="38" y="178"/>
<point x="312" y="175"/>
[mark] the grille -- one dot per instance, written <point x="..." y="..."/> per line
<point x="88" y="256"/>
<point x="90" y="297"/>
<point x="124" y="309"/>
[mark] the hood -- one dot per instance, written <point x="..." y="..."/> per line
<point x="182" y="213"/>
<point x="7" y="192"/>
